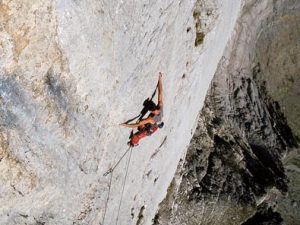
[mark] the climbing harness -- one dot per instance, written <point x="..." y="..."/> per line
<point x="143" y="112"/>
<point x="111" y="170"/>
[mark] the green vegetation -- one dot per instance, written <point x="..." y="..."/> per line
<point x="199" y="33"/>
<point x="199" y="38"/>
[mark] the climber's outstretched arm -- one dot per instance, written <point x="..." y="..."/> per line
<point x="141" y="123"/>
<point x="160" y="90"/>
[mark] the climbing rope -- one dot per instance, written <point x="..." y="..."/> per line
<point x="110" y="171"/>
<point x="127" y="167"/>
<point x="117" y="163"/>
<point x="106" y="203"/>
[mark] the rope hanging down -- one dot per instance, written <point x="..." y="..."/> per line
<point x="117" y="163"/>
<point x="139" y="117"/>
<point x="110" y="182"/>
<point x="106" y="203"/>
<point x="127" y="168"/>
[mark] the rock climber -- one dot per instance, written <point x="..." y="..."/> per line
<point x="149" y="125"/>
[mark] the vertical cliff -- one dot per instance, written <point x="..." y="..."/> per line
<point x="70" y="72"/>
<point x="242" y="166"/>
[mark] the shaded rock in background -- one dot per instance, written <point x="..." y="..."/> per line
<point x="264" y="216"/>
<point x="70" y="73"/>
<point x="234" y="171"/>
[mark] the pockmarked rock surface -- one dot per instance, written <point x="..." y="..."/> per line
<point x="70" y="72"/>
<point x="242" y="166"/>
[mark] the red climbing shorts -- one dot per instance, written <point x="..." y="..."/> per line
<point x="139" y="135"/>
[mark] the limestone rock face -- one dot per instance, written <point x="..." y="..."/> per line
<point x="70" y="72"/>
<point x="235" y="171"/>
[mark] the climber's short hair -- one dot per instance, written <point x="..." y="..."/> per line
<point x="151" y="106"/>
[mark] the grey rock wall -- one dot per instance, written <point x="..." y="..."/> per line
<point x="234" y="171"/>
<point x="70" y="72"/>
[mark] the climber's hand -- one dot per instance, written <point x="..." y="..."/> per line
<point x="160" y="75"/>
